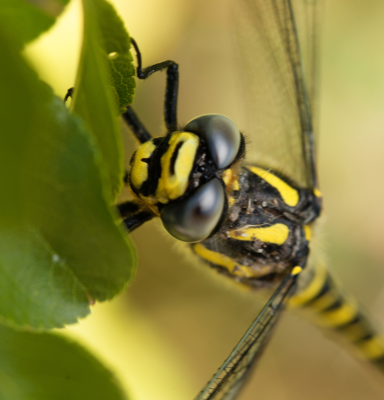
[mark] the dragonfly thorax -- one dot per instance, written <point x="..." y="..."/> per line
<point x="266" y="231"/>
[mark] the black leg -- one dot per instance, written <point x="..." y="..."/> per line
<point x="172" y="86"/>
<point x="137" y="128"/>
<point x="133" y="216"/>
<point x="136" y="220"/>
<point x="128" y="208"/>
<point x="126" y="178"/>
<point x="130" y="118"/>
<point x="69" y="94"/>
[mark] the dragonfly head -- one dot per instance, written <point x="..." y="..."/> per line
<point x="184" y="176"/>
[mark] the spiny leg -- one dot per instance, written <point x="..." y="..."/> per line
<point x="172" y="86"/>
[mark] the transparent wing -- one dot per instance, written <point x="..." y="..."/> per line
<point x="277" y="45"/>
<point x="230" y="377"/>
<point x="306" y="14"/>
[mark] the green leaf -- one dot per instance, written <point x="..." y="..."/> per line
<point x="26" y="20"/>
<point x="116" y="43"/>
<point x="48" y="366"/>
<point x="60" y="248"/>
<point x="94" y="100"/>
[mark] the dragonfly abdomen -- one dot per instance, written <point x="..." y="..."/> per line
<point x="335" y="310"/>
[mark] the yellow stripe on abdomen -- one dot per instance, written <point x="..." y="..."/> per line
<point x="340" y="313"/>
<point x="343" y="314"/>
<point x="372" y="348"/>
<point x="311" y="291"/>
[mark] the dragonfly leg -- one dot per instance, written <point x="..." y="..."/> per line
<point x="136" y="126"/>
<point x="69" y="94"/>
<point x="172" y="85"/>
<point x="133" y="215"/>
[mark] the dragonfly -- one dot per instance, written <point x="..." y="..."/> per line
<point x="251" y="220"/>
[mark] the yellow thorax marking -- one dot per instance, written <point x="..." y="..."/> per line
<point x="139" y="169"/>
<point x="276" y="234"/>
<point x="231" y="182"/>
<point x="236" y="184"/>
<point x="231" y="201"/>
<point x="296" y="270"/>
<point x="307" y="232"/>
<point x="232" y="266"/>
<point x="227" y="176"/>
<point x="230" y="179"/>
<point x="287" y="193"/>
<point x="316" y="192"/>
<point x="172" y="185"/>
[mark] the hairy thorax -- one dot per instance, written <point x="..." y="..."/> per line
<point x="267" y="229"/>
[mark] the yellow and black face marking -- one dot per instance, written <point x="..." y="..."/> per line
<point x="173" y="168"/>
<point x="181" y="177"/>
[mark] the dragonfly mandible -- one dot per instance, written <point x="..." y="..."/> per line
<point x="285" y="155"/>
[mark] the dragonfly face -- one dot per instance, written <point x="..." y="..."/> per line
<point x="183" y="177"/>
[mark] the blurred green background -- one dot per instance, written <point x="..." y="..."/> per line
<point x="177" y="322"/>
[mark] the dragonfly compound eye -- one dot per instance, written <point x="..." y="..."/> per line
<point x="194" y="218"/>
<point x="221" y="135"/>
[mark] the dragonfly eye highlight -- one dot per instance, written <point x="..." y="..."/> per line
<point x="194" y="218"/>
<point x="221" y="134"/>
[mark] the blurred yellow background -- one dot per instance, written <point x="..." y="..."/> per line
<point x="176" y="323"/>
